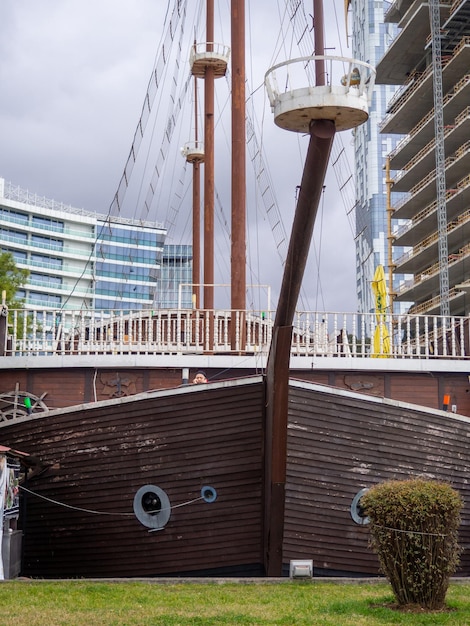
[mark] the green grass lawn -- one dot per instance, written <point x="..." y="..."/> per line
<point x="290" y="603"/>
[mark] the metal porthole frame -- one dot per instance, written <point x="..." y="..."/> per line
<point x="208" y="494"/>
<point x="155" y="520"/>
<point x="362" y="520"/>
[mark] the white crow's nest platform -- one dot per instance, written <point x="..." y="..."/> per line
<point x="296" y="99"/>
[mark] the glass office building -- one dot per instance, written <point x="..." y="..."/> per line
<point x="78" y="259"/>
<point x="174" y="285"/>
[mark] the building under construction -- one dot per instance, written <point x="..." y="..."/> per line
<point x="430" y="59"/>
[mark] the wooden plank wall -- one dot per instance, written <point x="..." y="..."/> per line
<point x="339" y="444"/>
<point x="68" y="387"/>
<point x="426" y="388"/>
<point x="98" y="458"/>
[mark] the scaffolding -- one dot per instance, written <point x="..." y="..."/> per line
<point x="435" y="22"/>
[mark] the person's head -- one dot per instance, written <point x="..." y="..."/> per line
<point x="200" y="377"/>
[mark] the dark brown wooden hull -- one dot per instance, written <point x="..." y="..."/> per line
<point x="99" y="455"/>
<point x="338" y="443"/>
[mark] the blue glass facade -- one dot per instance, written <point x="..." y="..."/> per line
<point x="371" y="37"/>
<point x="79" y="259"/>
<point x="175" y="279"/>
<point x="127" y="260"/>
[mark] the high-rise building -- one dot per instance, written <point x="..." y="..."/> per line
<point x="78" y="259"/>
<point x="370" y="38"/>
<point x="174" y="283"/>
<point x="431" y="89"/>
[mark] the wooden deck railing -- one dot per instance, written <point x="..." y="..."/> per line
<point x="356" y="335"/>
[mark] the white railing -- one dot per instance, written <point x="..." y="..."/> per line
<point x="341" y="74"/>
<point x="184" y="331"/>
<point x="14" y="192"/>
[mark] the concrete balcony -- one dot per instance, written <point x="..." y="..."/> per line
<point x="415" y="102"/>
<point x="424" y="223"/>
<point x="407" y="50"/>
<point x="457" y="167"/>
<point x="397" y="10"/>
<point x="421" y="163"/>
<point x="425" y="285"/>
<point x="433" y="306"/>
<point x="426" y="251"/>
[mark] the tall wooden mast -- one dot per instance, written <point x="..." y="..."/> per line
<point x="196" y="210"/>
<point x="238" y="251"/>
<point x="194" y="153"/>
<point x="209" y="186"/>
<point x="209" y="61"/>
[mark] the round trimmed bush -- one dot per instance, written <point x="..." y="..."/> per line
<point x="414" y="531"/>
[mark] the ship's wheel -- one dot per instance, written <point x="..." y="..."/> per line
<point x="18" y="404"/>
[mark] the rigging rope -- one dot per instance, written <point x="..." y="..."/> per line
<point x="163" y="150"/>
<point x="293" y="16"/>
<point x="174" y="108"/>
<point x="157" y="71"/>
<point x="153" y="85"/>
<point x="266" y="190"/>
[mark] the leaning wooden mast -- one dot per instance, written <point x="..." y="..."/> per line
<point x="320" y="110"/>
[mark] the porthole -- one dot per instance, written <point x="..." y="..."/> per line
<point x="152" y="506"/>
<point x="357" y="510"/>
<point x="208" y="494"/>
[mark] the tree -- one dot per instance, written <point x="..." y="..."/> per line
<point x="12" y="278"/>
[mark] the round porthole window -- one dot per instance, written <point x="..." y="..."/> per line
<point x="208" y="494"/>
<point x="152" y="506"/>
<point x="357" y="510"/>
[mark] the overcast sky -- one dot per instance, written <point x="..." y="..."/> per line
<point x="73" y="76"/>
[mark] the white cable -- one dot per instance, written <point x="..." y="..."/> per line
<point x="77" y="508"/>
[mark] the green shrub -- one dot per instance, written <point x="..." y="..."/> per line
<point x="414" y="530"/>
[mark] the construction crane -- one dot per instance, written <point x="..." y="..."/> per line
<point x="435" y="22"/>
